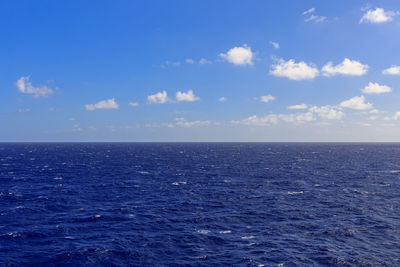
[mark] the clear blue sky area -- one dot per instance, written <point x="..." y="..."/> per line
<point x="200" y="70"/>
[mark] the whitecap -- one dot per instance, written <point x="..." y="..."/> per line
<point x="58" y="178"/>
<point x="294" y="192"/>
<point x="248" y="237"/>
<point x="225" y="232"/>
<point x="203" y="231"/>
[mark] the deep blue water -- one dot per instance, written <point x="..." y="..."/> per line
<point x="200" y="204"/>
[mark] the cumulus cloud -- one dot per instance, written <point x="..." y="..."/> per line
<point x="239" y="55"/>
<point x="133" y="104"/>
<point x="294" y="71"/>
<point x="393" y="70"/>
<point x="104" y="104"/>
<point x="274" y="44"/>
<point x="158" y="98"/>
<point x="379" y="15"/>
<point x="357" y="103"/>
<point x="299" y="106"/>
<point x="347" y="67"/>
<point x="222" y="99"/>
<point x="327" y="112"/>
<point x="25" y="86"/>
<point x="267" y="98"/>
<point x="189" y="96"/>
<point x="376" y="88"/>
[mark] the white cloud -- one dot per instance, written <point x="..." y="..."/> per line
<point x="311" y="10"/>
<point x="24" y="110"/>
<point x="171" y="63"/>
<point x="259" y="121"/>
<point x="158" y="98"/>
<point x="313" y="17"/>
<point x="133" y="104"/>
<point x="373" y="118"/>
<point x="357" y="102"/>
<point x="396" y="116"/>
<point x="393" y="70"/>
<point x="374" y="111"/>
<point x="71" y="119"/>
<point x="300" y="106"/>
<point x="104" y="104"/>
<point x="376" y="88"/>
<point x="347" y="67"/>
<point x="379" y="15"/>
<point x="222" y="99"/>
<point x="294" y="71"/>
<point x="181" y="122"/>
<point x="327" y="112"/>
<point x="25" y="86"/>
<point x="204" y="61"/>
<point x="274" y="44"/>
<point x="189" y="61"/>
<point x="240" y="56"/>
<point x="189" y="96"/>
<point x="267" y="98"/>
<point x="299" y="117"/>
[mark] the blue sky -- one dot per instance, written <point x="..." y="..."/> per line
<point x="200" y="71"/>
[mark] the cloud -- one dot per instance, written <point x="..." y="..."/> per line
<point x="133" y="104"/>
<point x="240" y="56"/>
<point x="189" y="96"/>
<point x="294" y="71"/>
<point x="158" y="98"/>
<point x="274" y="44"/>
<point x="379" y="15"/>
<point x="267" y="98"/>
<point x="259" y="121"/>
<point x="222" y="99"/>
<point x="104" y="104"/>
<point x="311" y="10"/>
<point x="313" y="17"/>
<point x="24" y="110"/>
<point x="189" y="61"/>
<point x="357" y="103"/>
<point x="393" y="70"/>
<point x="204" y="61"/>
<point x="300" y="106"/>
<point x="347" y="67"/>
<point x="396" y="116"/>
<point x="327" y="112"/>
<point x="25" y="86"/>
<point x="299" y="117"/>
<point x="171" y="63"/>
<point x="181" y="122"/>
<point x="376" y="88"/>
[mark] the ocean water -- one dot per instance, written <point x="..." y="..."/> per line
<point x="205" y="204"/>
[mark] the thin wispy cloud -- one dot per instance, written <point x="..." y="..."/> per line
<point x="311" y="17"/>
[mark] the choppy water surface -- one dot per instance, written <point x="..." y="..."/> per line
<point x="200" y="204"/>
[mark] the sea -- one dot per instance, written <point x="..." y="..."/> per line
<point x="199" y="204"/>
